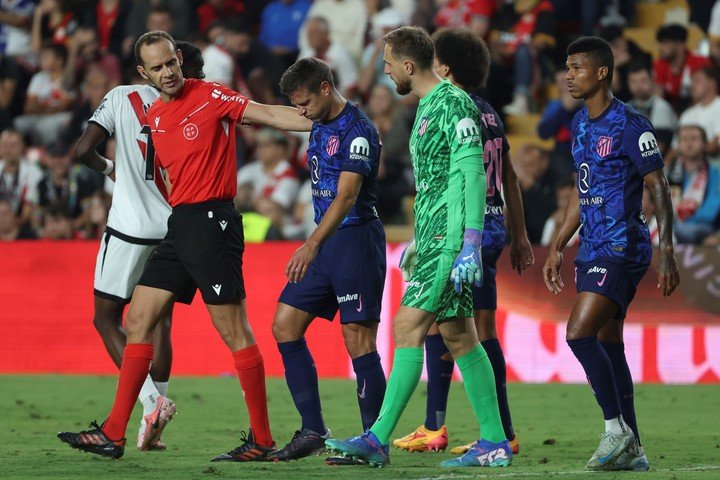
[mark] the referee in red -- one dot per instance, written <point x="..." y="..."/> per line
<point x="193" y="133"/>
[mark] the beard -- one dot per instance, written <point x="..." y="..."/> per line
<point x="403" y="87"/>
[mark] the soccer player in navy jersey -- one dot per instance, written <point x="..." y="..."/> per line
<point x="463" y="57"/>
<point x="342" y="264"/>
<point x="615" y="151"/>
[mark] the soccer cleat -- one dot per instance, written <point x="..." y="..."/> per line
<point x="303" y="444"/>
<point x="611" y="447"/>
<point x="248" y="451"/>
<point x="514" y="447"/>
<point x="483" y="454"/>
<point x="633" y="459"/>
<point x="365" y="447"/>
<point x="423" y="439"/>
<point x="94" y="441"/>
<point x="153" y="424"/>
<point x="341" y="461"/>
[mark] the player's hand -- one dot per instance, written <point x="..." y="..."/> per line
<point x="668" y="274"/>
<point x="521" y="254"/>
<point x="468" y="265"/>
<point x="299" y="262"/>
<point x="408" y="260"/>
<point x="551" y="272"/>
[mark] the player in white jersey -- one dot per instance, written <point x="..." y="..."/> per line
<point x="137" y="222"/>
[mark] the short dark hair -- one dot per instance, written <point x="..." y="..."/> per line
<point x="412" y="43"/>
<point x="597" y="49"/>
<point x="162" y="8"/>
<point x="149" y="38"/>
<point x="60" y="51"/>
<point x="610" y="33"/>
<point x="193" y="61"/>
<point x="465" y="53"/>
<point x="699" y="128"/>
<point x="308" y="73"/>
<point x="673" y="32"/>
<point x="712" y="73"/>
<point x="635" y="67"/>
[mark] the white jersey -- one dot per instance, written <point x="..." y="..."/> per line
<point x="139" y="205"/>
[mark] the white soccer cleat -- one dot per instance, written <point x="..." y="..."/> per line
<point x="611" y="448"/>
<point x="153" y="424"/>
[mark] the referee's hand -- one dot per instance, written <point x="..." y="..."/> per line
<point x="551" y="272"/>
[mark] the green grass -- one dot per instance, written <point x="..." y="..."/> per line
<point x="557" y="424"/>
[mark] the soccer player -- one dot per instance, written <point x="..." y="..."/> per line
<point x="342" y="264"/>
<point x="463" y="58"/>
<point x="615" y="151"/>
<point x="446" y="150"/>
<point x="193" y="131"/>
<point x="132" y="233"/>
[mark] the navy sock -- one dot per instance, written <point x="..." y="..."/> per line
<point x="439" y="371"/>
<point x="623" y="383"/>
<point x="302" y="380"/>
<point x="497" y="360"/>
<point x="371" y="386"/>
<point x="599" y="372"/>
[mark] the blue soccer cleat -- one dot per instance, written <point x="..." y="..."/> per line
<point x="483" y="454"/>
<point x="364" y="447"/>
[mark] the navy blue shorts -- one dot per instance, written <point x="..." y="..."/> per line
<point x="348" y="274"/>
<point x="616" y="281"/>
<point x="485" y="297"/>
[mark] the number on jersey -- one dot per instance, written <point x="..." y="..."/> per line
<point x="492" y="157"/>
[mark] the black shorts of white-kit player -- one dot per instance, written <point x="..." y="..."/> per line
<point x="203" y="249"/>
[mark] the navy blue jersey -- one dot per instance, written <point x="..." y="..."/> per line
<point x="348" y="143"/>
<point x="612" y="153"/>
<point x="494" y="145"/>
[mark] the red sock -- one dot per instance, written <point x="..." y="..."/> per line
<point x="251" y="372"/>
<point x="134" y="370"/>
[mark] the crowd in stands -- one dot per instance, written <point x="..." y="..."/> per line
<point x="58" y="58"/>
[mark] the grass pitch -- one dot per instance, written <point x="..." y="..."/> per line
<point x="558" y="426"/>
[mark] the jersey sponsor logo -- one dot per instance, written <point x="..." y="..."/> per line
<point x="360" y="149"/>
<point x="467" y="131"/>
<point x="190" y="131"/>
<point x="584" y="178"/>
<point x="604" y="146"/>
<point x="333" y="145"/>
<point x="423" y="126"/>
<point x="217" y="287"/>
<point x="648" y="145"/>
<point x="348" y="297"/>
<point x="314" y="170"/>
<point x="223" y="97"/>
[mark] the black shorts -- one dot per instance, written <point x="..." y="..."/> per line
<point x="203" y="249"/>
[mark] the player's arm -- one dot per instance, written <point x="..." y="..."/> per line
<point x="668" y="274"/>
<point x="85" y="150"/>
<point x="278" y="116"/>
<point x="348" y="190"/>
<point x="569" y="225"/>
<point x="521" y="253"/>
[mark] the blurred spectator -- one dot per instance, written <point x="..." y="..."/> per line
<point x="57" y="224"/>
<point x="706" y="109"/>
<point x="556" y="124"/>
<point x="218" y="63"/>
<point x="347" y="20"/>
<point x="714" y="33"/>
<point x="84" y="52"/>
<point x="563" y="194"/>
<point x="473" y="14"/>
<point x="109" y="19"/>
<point x="394" y="173"/>
<point x="53" y="22"/>
<point x="15" y="21"/>
<point x="137" y="22"/>
<point x="656" y="109"/>
<point x="372" y="66"/>
<point x="18" y="177"/>
<point x="11" y="95"/>
<point x="280" y="28"/>
<point x="48" y="102"/>
<point x="521" y="32"/>
<point x="624" y="50"/>
<point x="93" y="89"/>
<point x="424" y="14"/>
<point x="302" y="222"/>
<point x="268" y="185"/>
<point x="675" y="64"/>
<point x="531" y="164"/>
<point x="10" y="228"/>
<point x="211" y="10"/>
<point x="588" y="13"/>
<point x="698" y="205"/>
<point x="333" y="53"/>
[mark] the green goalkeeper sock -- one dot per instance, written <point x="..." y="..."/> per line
<point x="404" y="378"/>
<point x="479" y="380"/>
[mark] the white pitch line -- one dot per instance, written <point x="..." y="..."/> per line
<point x="452" y="476"/>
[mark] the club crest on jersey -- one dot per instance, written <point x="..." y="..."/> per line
<point x="190" y="131"/>
<point x="333" y="144"/>
<point x="604" y="146"/>
<point x="423" y="126"/>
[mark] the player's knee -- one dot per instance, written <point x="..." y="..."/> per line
<point x="105" y="323"/>
<point x="139" y="326"/>
<point x="359" y="342"/>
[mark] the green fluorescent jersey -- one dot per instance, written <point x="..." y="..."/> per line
<point x="446" y="131"/>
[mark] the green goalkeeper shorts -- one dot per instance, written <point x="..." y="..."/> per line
<point x="431" y="289"/>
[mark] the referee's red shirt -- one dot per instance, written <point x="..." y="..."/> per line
<point x="194" y="138"/>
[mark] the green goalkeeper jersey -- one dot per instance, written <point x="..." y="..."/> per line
<point x="446" y="131"/>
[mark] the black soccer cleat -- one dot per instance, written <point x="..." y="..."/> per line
<point x="248" y="451"/>
<point x="94" y="441"/>
<point x="303" y="444"/>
